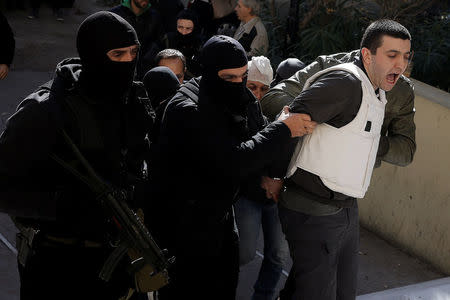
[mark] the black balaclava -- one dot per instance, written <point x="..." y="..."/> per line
<point x="187" y="39"/>
<point x="161" y="83"/>
<point x="103" y="78"/>
<point x="286" y="69"/>
<point x="218" y="53"/>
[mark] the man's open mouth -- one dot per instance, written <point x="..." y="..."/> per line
<point x="391" y="78"/>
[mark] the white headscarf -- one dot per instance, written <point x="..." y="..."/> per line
<point x="259" y="69"/>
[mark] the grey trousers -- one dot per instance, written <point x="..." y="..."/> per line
<point x="324" y="252"/>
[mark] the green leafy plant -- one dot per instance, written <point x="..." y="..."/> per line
<point x="324" y="27"/>
<point x="331" y="26"/>
<point x="276" y="31"/>
<point x="431" y="44"/>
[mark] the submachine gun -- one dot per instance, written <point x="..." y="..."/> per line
<point x="149" y="263"/>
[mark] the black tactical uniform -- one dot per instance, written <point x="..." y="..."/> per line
<point x="94" y="100"/>
<point x="207" y="147"/>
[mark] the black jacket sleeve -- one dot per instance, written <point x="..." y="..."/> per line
<point x="261" y="150"/>
<point x="25" y="146"/>
<point x="334" y="99"/>
<point x="200" y="154"/>
<point x="8" y="42"/>
<point x="210" y="142"/>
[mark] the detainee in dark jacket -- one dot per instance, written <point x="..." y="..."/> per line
<point x="205" y="151"/>
<point x="94" y="100"/>
<point x="398" y="133"/>
<point x="331" y="168"/>
<point x="7" y="48"/>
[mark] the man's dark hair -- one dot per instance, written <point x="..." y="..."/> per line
<point x="170" y="54"/>
<point x="373" y="36"/>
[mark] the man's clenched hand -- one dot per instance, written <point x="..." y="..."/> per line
<point x="299" y="124"/>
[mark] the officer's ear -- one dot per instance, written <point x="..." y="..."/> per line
<point x="366" y="55"/>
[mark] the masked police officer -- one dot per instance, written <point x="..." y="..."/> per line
<point x="94" y="100"/>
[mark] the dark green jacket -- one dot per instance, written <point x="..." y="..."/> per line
<point x="398" y="144"/>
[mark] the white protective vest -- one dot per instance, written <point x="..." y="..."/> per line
<point x="344" y="157"/>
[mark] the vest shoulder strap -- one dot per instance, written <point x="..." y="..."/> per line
<point x="347" y="67"/>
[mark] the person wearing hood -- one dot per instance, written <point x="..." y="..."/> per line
<point x="161" y="85"/>
<point x="211" y="139"/>
<point x="286" y="69"/>
<point x="149" y="28"/>
<point x="94" y="100"/>
<point x="188" y="40"/>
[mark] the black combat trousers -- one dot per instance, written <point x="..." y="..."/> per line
<point x="202" y="277"/>
<point x="324" y="252"/>
<point x="205" y="274"/>
<point x="63" y="272"/>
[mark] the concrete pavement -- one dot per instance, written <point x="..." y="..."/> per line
<point x="438" y="289"/>
<point x="381" y="267"/>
